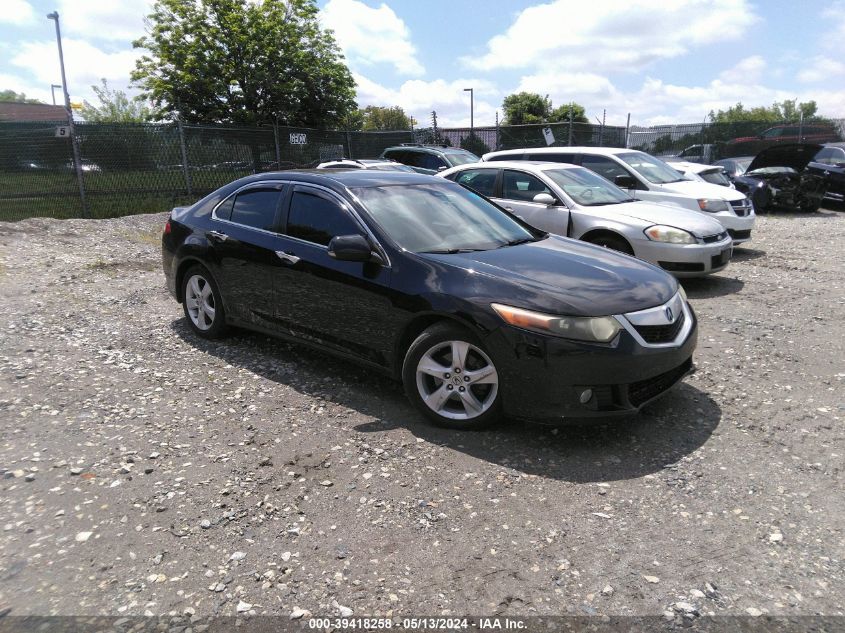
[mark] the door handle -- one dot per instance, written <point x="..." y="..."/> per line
<point x="216" y="236"/>
<point x="509" y="208"/>
<point x="290" y="258"/>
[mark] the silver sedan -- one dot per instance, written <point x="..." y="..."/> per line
<point x="576" y="202"/>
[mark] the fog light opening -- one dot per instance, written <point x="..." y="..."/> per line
<point x="586" y="396"/>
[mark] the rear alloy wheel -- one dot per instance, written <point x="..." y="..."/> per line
<point x="612" y="242"/>
<point x="202" y="304"/>
<point x="451" y="379"/>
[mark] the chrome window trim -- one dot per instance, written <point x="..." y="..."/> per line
<point x="650" y="316"/>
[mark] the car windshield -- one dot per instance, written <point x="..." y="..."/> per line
<point x="742" y="166"/>
<point x="652" y="169"/>
<point x="461" y="158"/>
<point x="440" y="218"/>
<point x="587" y="188"/>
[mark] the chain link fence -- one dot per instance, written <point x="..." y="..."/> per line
<point x="142" y="168"/>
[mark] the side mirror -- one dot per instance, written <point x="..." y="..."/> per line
<point x="625" y="181"/>
<point x="545" y="198"/>
<point x="442" y="168"/>
<point x="350" y="248"/>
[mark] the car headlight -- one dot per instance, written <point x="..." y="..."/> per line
<point x="661" y="233"/>
<point x="594" y="329"/>
<point x="713" y="205"/>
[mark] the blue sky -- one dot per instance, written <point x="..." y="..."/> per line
<point x="661" y="61"/>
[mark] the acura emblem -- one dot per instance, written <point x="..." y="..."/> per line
<point x="669" y="316"/>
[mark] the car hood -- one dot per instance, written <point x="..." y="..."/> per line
<point x="561" y="276"/>
<point x="795" y="155"/>
<point x="701" y="189"/>
<point x="696" y="223"/>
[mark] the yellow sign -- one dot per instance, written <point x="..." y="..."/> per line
<point x="75" y="105"/>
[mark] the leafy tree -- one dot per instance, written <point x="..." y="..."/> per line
<point x="115" y="107"/>
<point x="11" y="95"/>
<point x="561" y="113"/>
<point x="239" y="61"/>
<point x="382" y="119"/>
<point x="473" y="143"/>
<point x="526" y="107"/>
<point x="787" y="110"/>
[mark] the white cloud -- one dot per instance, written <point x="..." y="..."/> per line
<point x="85" y="64"/>
<point x="560" y="85"/>
<point x="16" y="12"/>
<point x="612" y="35"/>
<point x="372" y="36"/>
<point x="820" y="69"/>
<point x="748" y="70"/>
<point x="18" y="84"/>
<point x="418" y="98"/>
<point x="104" y="19"/>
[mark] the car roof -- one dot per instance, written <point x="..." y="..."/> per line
<point x="345" y="178"/>
<point x="430" y="149"/>
<point x="604" y="151"/>
<point x="538" y="165"/>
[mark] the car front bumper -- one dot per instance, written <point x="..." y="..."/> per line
<point x="548" y="379"/>
<point x="739" y="227"/>
<point x="687" y="260"/>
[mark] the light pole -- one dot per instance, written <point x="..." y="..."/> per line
<point x="53" y="90"/>
<point x="471" y="112"/>
<point x="77" y="165"/>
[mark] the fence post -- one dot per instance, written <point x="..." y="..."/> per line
<point x="569" y="142"/>
<point x="497" y="130"/>
<point x="627" y="131"/>
<point x="184" y="157"/>
<point x="349" y="143"/>
<point x="276" y="141"/>
<point x="77" y="163"/>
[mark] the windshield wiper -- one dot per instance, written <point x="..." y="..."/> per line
<point x="452" y="251"/>
<point x="521" y="240"/>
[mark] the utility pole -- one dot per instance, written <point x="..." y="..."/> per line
<point x="471" y="112"/>
<point x="77" y="164"/>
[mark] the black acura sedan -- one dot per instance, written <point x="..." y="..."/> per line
<point x="477" y="313"/>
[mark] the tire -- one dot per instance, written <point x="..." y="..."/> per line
<point x="612" y="242"/>
<point x="202" y="303"/>
<point x="441" y="389"/>
<point x="810" y="206"/>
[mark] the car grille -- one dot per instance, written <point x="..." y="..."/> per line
<point x="661" y="333"/>
<point x="742" y="207"/>
<point x="709" y="239"/>
<point x="644" y="390"/>
<point x="740" y="235"/>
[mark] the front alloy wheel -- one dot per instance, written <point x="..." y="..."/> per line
<point x="451" y="379"/>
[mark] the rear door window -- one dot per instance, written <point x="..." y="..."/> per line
<point x="425" y="161"/>
<point x="481" y="180"/>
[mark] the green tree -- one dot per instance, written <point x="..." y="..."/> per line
<point x="561" y="113"/>
<point x="11" y="95"/>
<point x="473" y="143"/>
<point x="787" y="110"/>
<point x="238" y="61"/>
<point x="115" y="107"/>
<point x="526" y="107"/>
<point x="382" y="119"/>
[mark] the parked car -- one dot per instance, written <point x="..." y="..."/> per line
<point x="706" y="153"/>
<point x="830" y="162"/>
<point x="649" y="178"/>
<point x="781" y="134"/>
<point x="791" y="183"/>
<point x="755" y="189"/>
<point x="714" y="174"/>
<point x="576" y="202"/>
<point x="429" y="159"/>
<point x="476" y="312"/>
<point x="363" y="163"/>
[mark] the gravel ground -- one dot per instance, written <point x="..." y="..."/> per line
<point x="145" y="471"/>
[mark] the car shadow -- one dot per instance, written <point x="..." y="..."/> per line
<point x="711" y="286"/>
<point x="663" y="433"/>
<point x="745" y="254"/>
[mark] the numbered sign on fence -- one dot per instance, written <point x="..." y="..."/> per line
<point x="298" y="138"/>
<point x="63" y="131"/>
<point x="547" y="134"/>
